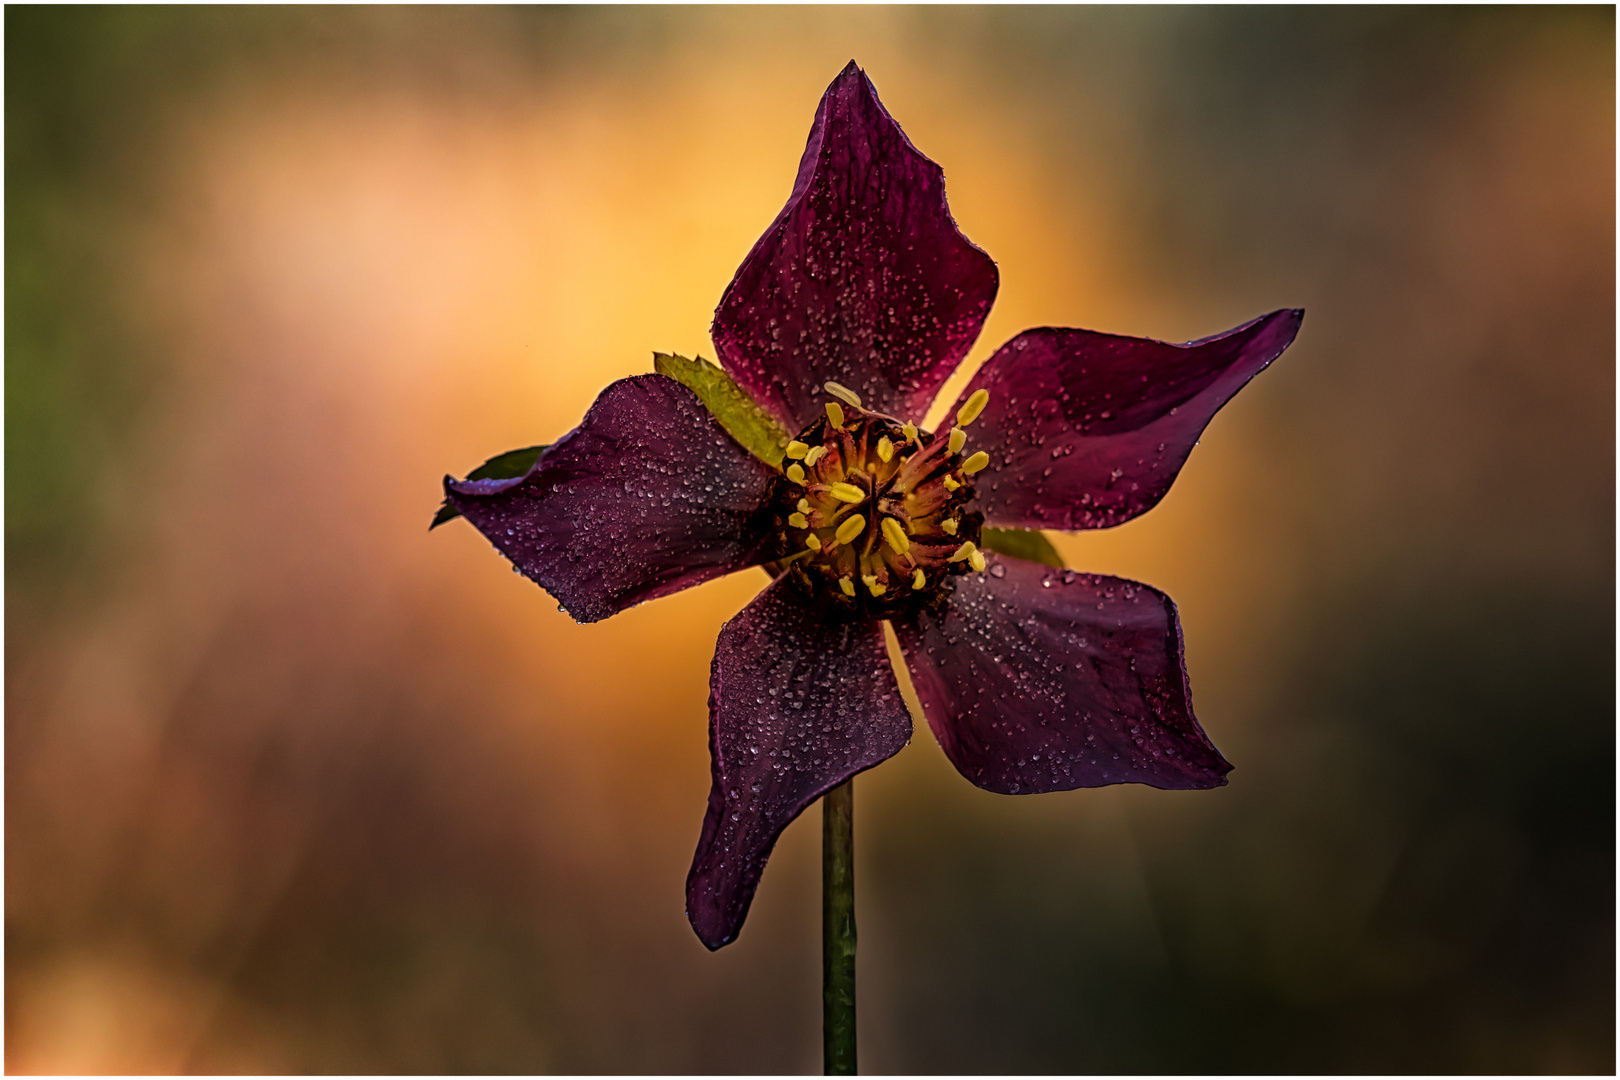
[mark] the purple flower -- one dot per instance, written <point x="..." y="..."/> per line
<point x="803" y="455"/>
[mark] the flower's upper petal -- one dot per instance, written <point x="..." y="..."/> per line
<point x="646" y="497"/>
<point x="798" y="703"/>
<point x="863" y="279"/>
<point x="1086" y="430"/>
<point x="1037" y="679"/>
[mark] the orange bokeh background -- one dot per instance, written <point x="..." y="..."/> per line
<point x="294" y="785"/>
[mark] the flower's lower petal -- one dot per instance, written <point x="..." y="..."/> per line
<point x="646" y="497"/>
<point x="863" y="279"/>
<point x="1086" y="430"/>
<point x="798" y="703"/>
<point x="1036" y="679"/>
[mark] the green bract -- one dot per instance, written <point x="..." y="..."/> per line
<point x="759" y="433"/>
<point x="1030" y="544"/>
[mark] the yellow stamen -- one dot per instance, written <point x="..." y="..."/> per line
<point x="885" y="448"/>
<point x="835" y="415"/>
<point x="895" y="535"/>
<point x="847" y="585"/>
<point x="813" y="542"/>
<point x="816" y="454"/>
<point x="795" y="473"/>
<point x="841" y="391"/>
<point x="950" y="484"/>
<point x="971" y="409"/>
<point x="846" y="492"/>
<point x="976" y="560"/>
<point x="798" y="520"/>
<point x="910" y="431"/>
<point x="872" y="584"/>
<point x="963" y="552"/>
<point x="957" y="439"/>
<point x="949" y="525"/>
<point x="797" y="449"/>
<point x="850" y="528"/>
<point x="975" y="463"/>
<point x="918" y="581"/>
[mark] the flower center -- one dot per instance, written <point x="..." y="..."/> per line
<point x="872" y="513"/>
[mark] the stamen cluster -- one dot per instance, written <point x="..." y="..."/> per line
<point x="871" y="512"/>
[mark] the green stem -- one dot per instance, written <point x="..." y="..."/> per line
<point x="838" y="929"/>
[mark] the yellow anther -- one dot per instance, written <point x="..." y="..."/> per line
<point x="949" y="525"/>
<point x="813" y="542"/>
<point x="957" y="440"/>
<point x="798" y="520"/>
<point x="846" y="492"/>
<point x="885" y="448"/>
<point x="847" y="585"/>
<point x="850" y="528"/>
<point x="795" y="473"/>
<point x="804" y="506"/>
<point x="910" y="431"/>
<point x="950" y="484"/>
<point x="797" y="449"/>
<point x="816" y="454"/>
<point x="877" y="587"/>
<point x="964" y="552"/>
<point x="835" y="415"/>
<point x="895" y="535"/>
<point x="975" y="463"/>
<point x="918" y="580"/>
<point x="976" y="560"/>
<point x="971" y="408"/>
<point x="841" y="391"/>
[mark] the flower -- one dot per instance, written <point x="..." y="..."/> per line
<point x="800" y="452"/>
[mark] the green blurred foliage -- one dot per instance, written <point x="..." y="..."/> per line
<point x="72" y="387"/>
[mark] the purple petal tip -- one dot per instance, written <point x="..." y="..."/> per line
<point x="863" y="279"/>
<point x="798" y="704"/>
<point x="1089" y="430"/>
<point x="649" y="495"/>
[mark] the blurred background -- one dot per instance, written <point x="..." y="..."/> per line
<point x="293" y="785"/>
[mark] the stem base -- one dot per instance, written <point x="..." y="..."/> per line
<point x="838" y="929"/>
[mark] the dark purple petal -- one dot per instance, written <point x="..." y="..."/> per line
<point x="863" y="278"/>
<point x="798" y="704"/>
<point x="1086" y="430"/>
<point x="1037" y="679"/>
<point x="646" y="497"/>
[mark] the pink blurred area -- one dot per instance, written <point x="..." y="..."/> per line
<point x="301" y="786"/>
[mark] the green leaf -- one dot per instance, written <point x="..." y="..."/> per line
<point x="507" y="466"/>
<point x="1030" y="544"/>
<point x="510" y="465"/>
<point x="757" y="430"/>
<point x="446" y="513"/>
